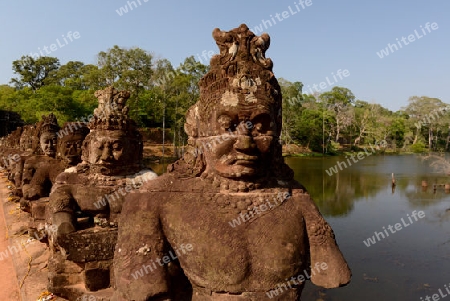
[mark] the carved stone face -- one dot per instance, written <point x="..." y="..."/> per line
<point x="244" y="143"/>
<point x="71" y="148"/>
<point x="108" y="148"/>
<point x="48" y="143"/>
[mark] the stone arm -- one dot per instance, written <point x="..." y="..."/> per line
<point x="42" y="180"/>
<point x="28" y="171"/>
<point x="39" y="185"/>
<point x="61" y="207"/>
<point x="322" y="245"/>
<point x="18" y="173"/>
<point x="140" y="247"/>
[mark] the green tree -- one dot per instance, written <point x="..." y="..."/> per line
<point x="7" y="101"/>
<point x="429" y="118"/>
<point x="398" y="129"/>
<point x="79" y="76"/>
<point x="127" y="69"/>
<point x="34" y="73"/>
<point x="184" y="93"/>
<point x="291" y="107"/>
<point x="339" y="100"/>
<point x="365" y="118"/>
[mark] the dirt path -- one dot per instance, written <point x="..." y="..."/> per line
<point x="9" y="287"/>
<point x="23" y="260"/>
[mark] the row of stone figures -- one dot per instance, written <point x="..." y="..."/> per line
<point x="225" y="222"/>
<point x="72" y="182"/>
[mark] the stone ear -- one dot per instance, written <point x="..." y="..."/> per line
<point x="191" y="124"/>
<point x="85" y="148"/>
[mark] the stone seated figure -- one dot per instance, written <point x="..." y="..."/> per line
<point x="9" y="151"/>
<point x="40" y="171"/>
<point x="68" y="153"/>
<point x="87" y="199"/>
<point x="29" y="145"/>
<point x="228" y="217"/>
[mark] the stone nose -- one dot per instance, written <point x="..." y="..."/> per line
<point x="106" y="154"/>
<point x="244" y="143"/>
<point x="72" y="149"/>
<point x="243" y="129"/>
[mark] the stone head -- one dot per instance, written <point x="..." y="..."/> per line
<point x="13" y="139"/>
<point x="48" y="142"/>
<point x="47" y="135"/>
<point x="28" y="139"/>
<point x="112" y="151"/>
<point x="70" y="142"/>
<point x="114" y="145"/>
<point x="236" y="123"/>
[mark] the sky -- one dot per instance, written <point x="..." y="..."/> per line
<point x="310" y="40"/>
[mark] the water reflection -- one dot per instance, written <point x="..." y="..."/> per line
<point x="335" y="195"/>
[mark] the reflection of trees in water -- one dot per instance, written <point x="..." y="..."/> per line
<point x="336" y="194"/>
<point x="341" y="191"/>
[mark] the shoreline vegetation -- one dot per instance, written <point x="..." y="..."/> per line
<point x="294" y="150"/>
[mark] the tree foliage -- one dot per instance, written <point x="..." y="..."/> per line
<point x="34" y="73"/>
<point x="162" y="93"/>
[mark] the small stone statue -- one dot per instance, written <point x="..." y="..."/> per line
<point x="87" y="198"/>
<point x="39" y="171"/>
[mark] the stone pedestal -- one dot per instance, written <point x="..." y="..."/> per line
<point x="83" y="266"/>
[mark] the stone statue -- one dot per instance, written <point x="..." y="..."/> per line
<point x="10" y="150"/>
<point x="87" y="199"/>
<point x="70" y="141"/>
<point x="228" y="221"/>
<point x="29" y="146"/>
<point x="40" y="171"/>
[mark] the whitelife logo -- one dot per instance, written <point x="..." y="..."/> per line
<point x="398" y="226"/>
<point x="69" y="37"/>
<point x="391" y="48"/>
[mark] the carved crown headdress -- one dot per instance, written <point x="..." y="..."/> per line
<point x="49" y="124"/>
<point x="112" y="112"/>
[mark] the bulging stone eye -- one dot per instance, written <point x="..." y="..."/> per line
<point x="98" y="144"/>
<point x="225" y="122"/>
<point x="257" y="128"/>
<point x="117" y="146"/>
